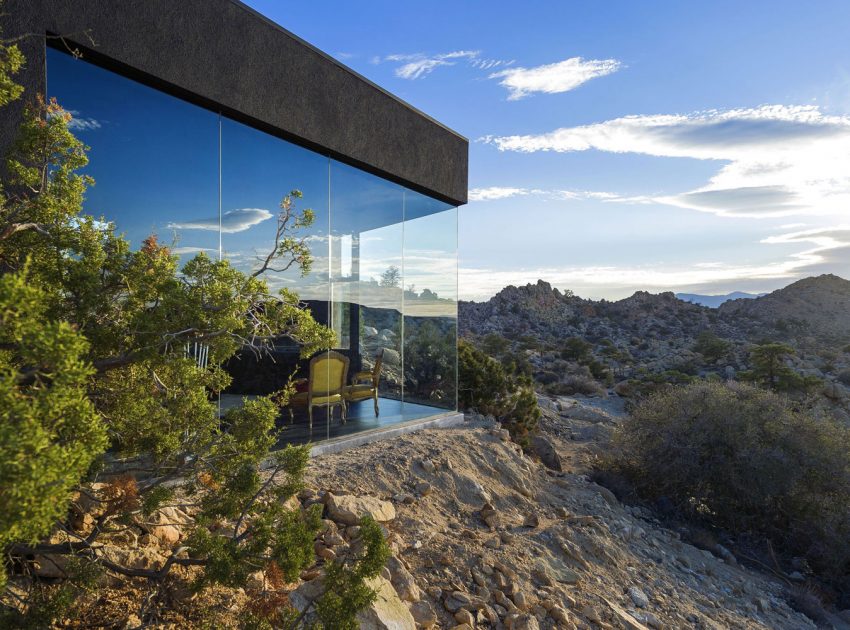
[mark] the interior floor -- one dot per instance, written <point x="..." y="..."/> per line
<point x="360" y="417"/>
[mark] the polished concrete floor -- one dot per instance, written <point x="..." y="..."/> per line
<point x="360" y="417"/>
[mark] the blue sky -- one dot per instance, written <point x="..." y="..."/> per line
<point x="615" y="146"/>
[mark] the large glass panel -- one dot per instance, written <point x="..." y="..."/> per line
<point x="384" y="272"/>
<point x="257" y="172"/>
<point x="154" y="158"/>
<point x="366" y="305"/>
<point x="430" y="304"/>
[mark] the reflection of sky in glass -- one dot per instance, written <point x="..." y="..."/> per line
<point x="154" y="158"/>
<point x="257" y="171"/>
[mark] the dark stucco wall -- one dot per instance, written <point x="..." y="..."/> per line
<point x="221" y="54"/>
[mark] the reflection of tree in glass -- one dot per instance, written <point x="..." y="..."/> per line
<point x="429" y="359"/>
<point x="391" y="277"/>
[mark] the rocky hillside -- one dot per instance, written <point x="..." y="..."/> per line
<point x="818" y="306"/>
<point x="484" y="536"/>
<point x="541" y="311"/>
<point x="656" y="335"/>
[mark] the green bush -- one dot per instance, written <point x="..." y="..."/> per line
<point x="92" y="367"/>
<point x="484" y="385"/>
<point x="576" y="349"/>
<point x="744" y="459"/>
<point x="575" y="384"/>
<point x="712" y="347"/>
<point x="769" y="369"/>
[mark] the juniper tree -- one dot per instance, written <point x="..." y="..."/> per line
<point x="94" y="378"/>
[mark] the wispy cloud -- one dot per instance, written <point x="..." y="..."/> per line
<point x="493" y="193"/>
<point x="180" y="251"/>
<point x="497" y="192"/>
<point x="419" y="65"/>
<point x="780" y="160"/>
<point x="827" y="250"/>
<point x="81" y="123"/>
<point x="553" y="78"/>
<point x="489" y="64"/>
<point x="232" y="221"/>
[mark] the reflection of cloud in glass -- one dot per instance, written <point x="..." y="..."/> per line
<point x="192" y="250"/>
<point x="232" y="221"/>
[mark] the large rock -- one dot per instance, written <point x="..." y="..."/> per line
<point x="348" y="509"/>
<point x="387" y="612"/>
<point x="165" y="525"/>
<point x="403" y="581"/>
<point x="546" y="452"/>
<point x="392" y="357"/>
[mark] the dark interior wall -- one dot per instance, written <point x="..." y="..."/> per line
<point x="224" y="54"/>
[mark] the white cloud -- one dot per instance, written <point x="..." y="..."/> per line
<point x="489" y="64"/>
<point x="493" y="193"/>
<point x="232" y="221"/>
<point x="419" y="65"/>
<point x="496" y="192"/>
<point x="779" y="160"/>
<point x="180" y="251"/>
<point x="827" y="251"/>
<point x="77" y="122"/>
<point x="553" y="78"/>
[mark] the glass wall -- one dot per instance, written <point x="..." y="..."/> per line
<point x="154" y="158"/>
<point x="384" y="272"/>
<point x="430" y="302"/>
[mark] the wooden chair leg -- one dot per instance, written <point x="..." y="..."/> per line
<point x="376" y="403"/>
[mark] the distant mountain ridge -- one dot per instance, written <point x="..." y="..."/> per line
<point x="815" y="306"/>
<point x="714" y="301"/>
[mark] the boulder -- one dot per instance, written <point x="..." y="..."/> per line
<point x="165" y="524"/>
<point x="387" y="612"/>
<point x="392" y="357"/>
<point x="545" y="450"/>
<point x="403" y="581"/>
<point x="348" y="509"/>
<point x="423" y="614"/>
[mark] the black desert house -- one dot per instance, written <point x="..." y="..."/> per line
<point x="201" y="115"/>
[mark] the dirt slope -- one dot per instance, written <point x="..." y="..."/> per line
<point x="556" y="546"/>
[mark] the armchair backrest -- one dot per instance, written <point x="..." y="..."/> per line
<point x="328" y="372"/>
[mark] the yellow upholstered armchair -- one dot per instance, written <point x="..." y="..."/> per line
<point x="324" y="387"/>
<point x="364" y="385"/>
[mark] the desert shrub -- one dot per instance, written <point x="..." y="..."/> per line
<point x="769" y="368"/>
<point x="712" y="347"/>
<point x="844" y="376"/>
<point x="484" y="385"/>
<point x="429" y="363"/>
<point x="576" y="349"/>
<point x="546" y="377"/>
<point x="495" y="344"/>
<point x="575" y="384"/>
<point x="743" y="458"/>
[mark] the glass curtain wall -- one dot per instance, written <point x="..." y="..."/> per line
<point x="384" y="273"/>
<point x="430" y="302"/>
